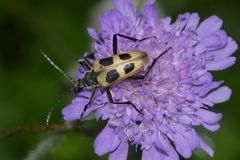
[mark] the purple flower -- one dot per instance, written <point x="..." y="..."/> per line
<point x="177" y="94"/>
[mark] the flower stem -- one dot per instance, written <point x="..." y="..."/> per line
<point x="51" y="127"/>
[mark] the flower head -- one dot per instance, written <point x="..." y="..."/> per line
<point x="177" y="93"/>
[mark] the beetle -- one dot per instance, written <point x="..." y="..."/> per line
<point x="110" y="70"/>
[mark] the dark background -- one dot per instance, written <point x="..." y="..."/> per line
<point x="29" y="85"/>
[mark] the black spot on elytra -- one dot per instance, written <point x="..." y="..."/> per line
<point x="106" y="61"/>
<point x="124" y="56"/>
<point x="112" y="76"/>
<point x="128" y="67"/>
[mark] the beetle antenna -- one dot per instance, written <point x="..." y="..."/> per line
<point x="54" y="106"/>
<point x="59" y="69"/>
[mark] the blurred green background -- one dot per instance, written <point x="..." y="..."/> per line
<point x="29" y="85"/>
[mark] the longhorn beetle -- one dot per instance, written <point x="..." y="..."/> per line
<point x="111" y="70"/>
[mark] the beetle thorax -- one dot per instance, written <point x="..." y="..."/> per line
<point x="89" y="80"/>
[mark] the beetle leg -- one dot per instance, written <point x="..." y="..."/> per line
<point x="88" y="62"/>
<point x="138" y="77"/>
<point x="85" y="63"/>
<point x="127" y="102"/>
<point x="115" y="45"/>
<point x="90" y="55"/>
<point x="90" y="101"/>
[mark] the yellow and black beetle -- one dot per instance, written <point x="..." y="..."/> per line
<point x="108" y="71"/>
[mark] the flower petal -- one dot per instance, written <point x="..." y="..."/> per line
<point x="193" y="139"/>
<point x="208" y="26"/>
<point x="150" y="2"/>
<point x="151" y="154"/>
<point x="165" y="148"/>
<point x="206" y="148"/>
<point x="126" y="8"/>
<point x="211" y="127"/>
<point x="221" y="64"/>
<point x="182" y="146"/>
<point x="226" y="51"/>
<point x="120" y="153"/>
<point x="220" y="95"/>
<point x="154" y="154"/>
<point x="215" y="41"/>
<point x="110" y="22"/>
<point x="193" y="21"/>
<point x="150" y="12"/>
<point x="208" y="116"/>
<point x="93" y="33"/>
<point x="106" y="141"/>
<point x="74" y="110"/>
